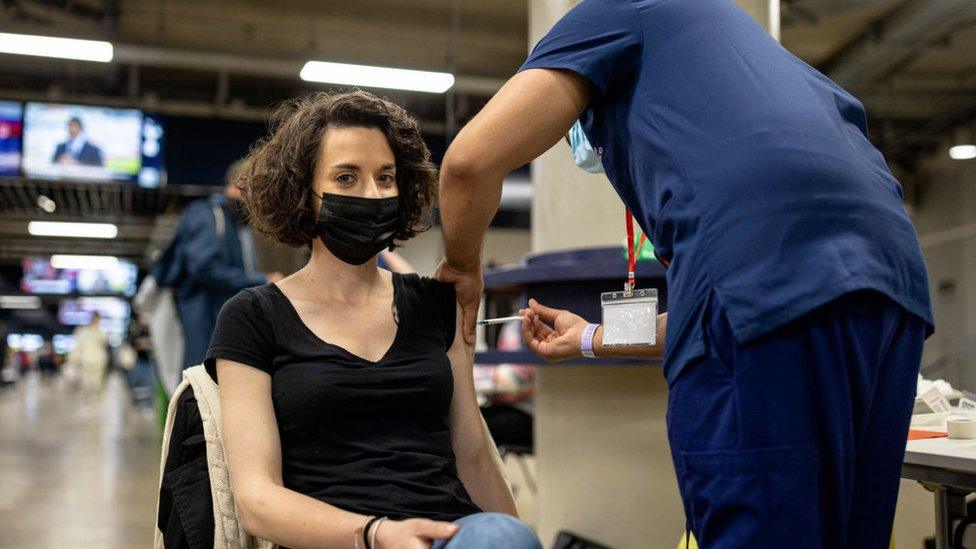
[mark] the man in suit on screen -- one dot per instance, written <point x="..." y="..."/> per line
<point x="77" y="149"/>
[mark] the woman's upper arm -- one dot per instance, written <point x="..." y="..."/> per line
<point x="250" y="430"/>
<point x="468" y="434"/>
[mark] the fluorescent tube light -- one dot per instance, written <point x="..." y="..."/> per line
<point x="46" y="204"/>
<point x="377" y="77"/>
<point x="962" y="152"/>
<point x="20" y="302"/>
<point x="84" y="261"/>
<point x="72" y="230"/>
<point x="49" y="46"/>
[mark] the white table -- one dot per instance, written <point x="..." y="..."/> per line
<point x="948" y="468"/>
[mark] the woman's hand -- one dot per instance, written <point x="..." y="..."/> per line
<point x="560" y="342"/>
<point x="412" y="533"/>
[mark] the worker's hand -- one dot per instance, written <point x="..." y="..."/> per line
<point x="559" y="342"/>
<point x="412" y="533"/>
<point x="469" y="285"/>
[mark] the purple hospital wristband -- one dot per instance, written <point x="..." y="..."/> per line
<point x="586" y="340"/>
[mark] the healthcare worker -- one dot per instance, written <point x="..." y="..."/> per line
<point x="798" y="297"/>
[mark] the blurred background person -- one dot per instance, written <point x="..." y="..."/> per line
<point x="90" y="357"/>
<point x="143" y="373"/>
<point x="210" y="258"/>
<point x="46" y="362"/>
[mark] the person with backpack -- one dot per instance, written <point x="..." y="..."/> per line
<point x="348" y="408"/>
<point x="210" y="258"/>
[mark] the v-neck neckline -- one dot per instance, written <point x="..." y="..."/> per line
<point x="398" y="319"/>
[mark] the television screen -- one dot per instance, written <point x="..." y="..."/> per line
<point x="152" y="174"/>
<point x="82" y="142"/>
<point x="114" y="312"/>
<point x="63" y="343"/>
<point x="25" y="342"/>
<point x="41" y="278"/>
<point x="11" y="132"/>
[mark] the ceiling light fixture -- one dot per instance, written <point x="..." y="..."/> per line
<point x="45" y="203"/>
<point x="377" y="77"/>
<point x="72" y="230"/>
<point x="962" y="152"/>
<point x="62" y="261"/>
<point x="20" y="302"/>
<point x="50" y="46"/>
<point x="964" y="145"/>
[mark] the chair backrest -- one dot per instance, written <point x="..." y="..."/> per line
<point x="228" y="531"/>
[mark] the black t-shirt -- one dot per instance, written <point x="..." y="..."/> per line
<point x="368" y="437"/>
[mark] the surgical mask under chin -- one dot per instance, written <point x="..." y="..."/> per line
<point x="583" y="154"/>
<point x="355" y="229"/>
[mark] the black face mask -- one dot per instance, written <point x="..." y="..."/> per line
<point x="355" y="229"/>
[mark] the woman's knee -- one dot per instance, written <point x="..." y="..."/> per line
<point x="494" y="530"/>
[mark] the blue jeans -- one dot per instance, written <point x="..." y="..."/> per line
<point x="490" y="531"/>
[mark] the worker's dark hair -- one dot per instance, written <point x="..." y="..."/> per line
<point x="76" y="120"/>
<point x="276" y="178"/>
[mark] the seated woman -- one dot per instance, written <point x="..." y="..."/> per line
<point x="349" y="411"/>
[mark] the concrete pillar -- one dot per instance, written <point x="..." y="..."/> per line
<point x="604" y="465"/>
<point x="766" y="12"/>
<point x="604" y="468"/>
<point x="570" y="207"/>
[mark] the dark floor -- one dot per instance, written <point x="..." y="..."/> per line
<point x="75" y="475"/>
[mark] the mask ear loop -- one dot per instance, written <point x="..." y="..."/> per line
<point x="400" y="210"/>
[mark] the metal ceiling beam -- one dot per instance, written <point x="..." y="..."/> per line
<point x="918" y="105"/>
<point x="903" y="35"/>
<point x="173" y="107"/>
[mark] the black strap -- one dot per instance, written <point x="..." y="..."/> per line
<point x="369" y="524"/>
<point x="960" y="532"/>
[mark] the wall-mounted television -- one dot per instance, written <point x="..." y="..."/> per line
<point x="11" y="134"/>
<point x="84" y="142"/>
<point x="41" y="278"/>
<point x="114" y="313"/>
<point x="63" y="343"/>
<point x="25" y="342"/>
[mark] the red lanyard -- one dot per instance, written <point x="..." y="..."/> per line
<point x="631" y="253"/>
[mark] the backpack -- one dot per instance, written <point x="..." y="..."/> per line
<point x="156" y="307"/>
<point x="196" y="508"/>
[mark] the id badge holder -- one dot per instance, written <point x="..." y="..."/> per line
<point x="629" y="319"/>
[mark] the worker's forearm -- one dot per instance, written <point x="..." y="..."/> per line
<point x="290" y="519"/>
<point x="655" y="351"/>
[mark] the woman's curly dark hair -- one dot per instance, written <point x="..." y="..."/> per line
<point x="276" y="179"/>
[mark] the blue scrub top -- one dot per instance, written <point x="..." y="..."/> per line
<point x="750" y="171"/>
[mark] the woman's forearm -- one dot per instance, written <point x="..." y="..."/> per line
<point x="290" y="519"/>
<point x="487" y="486"/>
